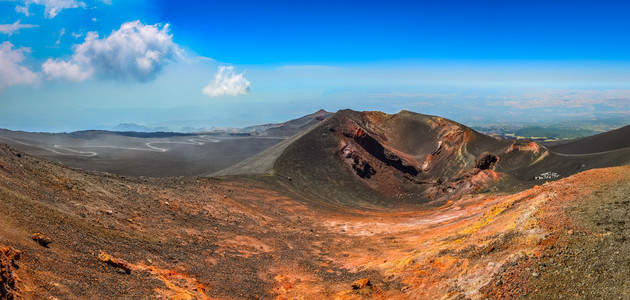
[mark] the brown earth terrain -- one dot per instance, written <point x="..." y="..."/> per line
<point x="360" y="206"/>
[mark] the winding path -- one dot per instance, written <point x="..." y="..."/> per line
<point x="150" y="146"/>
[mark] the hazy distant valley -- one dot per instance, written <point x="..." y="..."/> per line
<point x="550" y="132"/>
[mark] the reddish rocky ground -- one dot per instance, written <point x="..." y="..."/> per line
<point x="251" y="237"/>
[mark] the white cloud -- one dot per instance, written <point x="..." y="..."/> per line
<point x="61" y="33"/>
<point x="15" y="27"/>
<point x="60" y="69"/>
<point x="51" y="7"/>
<point x="23" y="10"/>
<point x="12" y="71"/>
<point x="227" y="83"/>
<point x="134" y="52"/>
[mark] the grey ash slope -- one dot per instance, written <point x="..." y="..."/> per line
<point x="289" y="128"/>
<point x="140" y="154"/>
<point x="155" y="154"/>
<point x="263" y="162"/>
<point x="606" y="141"/>
<point x="372" y="158"/>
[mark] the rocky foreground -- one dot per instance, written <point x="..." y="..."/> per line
<point x="111" y="237"/>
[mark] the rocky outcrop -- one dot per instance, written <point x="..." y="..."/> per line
<point x="376" y="149"/>
<point x="359" y="165"/>
<point x="114" y="262"/>
<point x="486" y="161"/>
<point x="361" y="283"/>
<point x="41" y="239"/>
<point x="8" y="279"/>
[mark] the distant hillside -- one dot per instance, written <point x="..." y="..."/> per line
<point x="131" y="127"/>
<point x="607" y="141"/>
<point x="288" y="128"/>
<point x="553" y="132"/>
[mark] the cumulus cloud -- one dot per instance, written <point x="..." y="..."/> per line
<point x="60" y="69"/>
<point x="12" y="71"/>
<point x="227" y="83"/>
<point x="15" y="27"/>
<point x="134" y="52"/>
<point x="51" y="7"/>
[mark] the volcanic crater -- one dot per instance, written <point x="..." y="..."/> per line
<point x="360" y="205"/>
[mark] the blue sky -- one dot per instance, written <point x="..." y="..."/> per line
<point x="69" y="65"/>
<point x="257" y="32"/>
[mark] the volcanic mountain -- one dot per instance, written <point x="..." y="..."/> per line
<point x="362" y="205"/>
<point x="289" y="128"/>
<point x="373" y="158"/>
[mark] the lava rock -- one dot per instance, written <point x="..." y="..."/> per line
<point x="486" y="161"/>
<point x="43" y="240"/>
<point x="361" y="283"/>
<point x="8" y="279"/>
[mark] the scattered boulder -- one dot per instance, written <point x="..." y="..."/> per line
<point x="8" y="279"/>
<point x="361" y="283"/>
<point x="117" y="263"/>
<point x="547" y="175"/>
<point x="41" y="239"/>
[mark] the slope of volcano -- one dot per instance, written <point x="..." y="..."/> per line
<point x="372" y="158"/>
<point x="297" y="226"/>
<point x="608" y="141"/>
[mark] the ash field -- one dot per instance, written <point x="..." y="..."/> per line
<point x="156" y="154"/>
<point x="350" y="205"/>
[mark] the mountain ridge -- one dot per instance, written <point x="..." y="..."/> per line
<point x="410" y="157"/>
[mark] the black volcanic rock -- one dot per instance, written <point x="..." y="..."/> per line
<point x="485" y="161"/>
<point x="372" y="146"/>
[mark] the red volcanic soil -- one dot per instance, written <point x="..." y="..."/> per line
<point x="246" y="237"/>
<point x="362" y="206"/>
